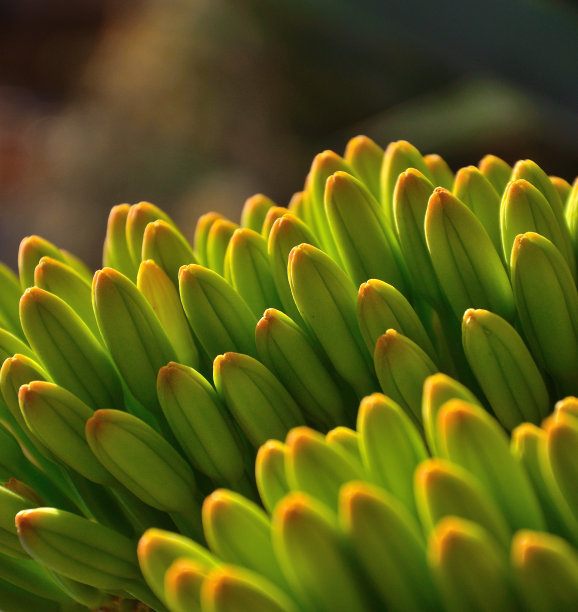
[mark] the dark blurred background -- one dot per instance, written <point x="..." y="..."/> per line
<point x="197" y="104"/>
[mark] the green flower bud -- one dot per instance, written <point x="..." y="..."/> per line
<point x="219" y="316"/>
<point x="391" y="446"/>
<point x="257" y="400"/>
<point x="316" y="468"/>
<point x="389" y="546"/>
<point x="200" y="423"/>
<point x="182" y="585"/>
<point x="144" y="462"/>
<point x="469" y="436"/>
<point x="398" y="157"/>
<point x="10" y="504"/>
<point x="168" y="248"/>
<point x="504" y="368"/>
<point x="217" y="242"/>
<point x="234" y="589"/>
<point x="347" y="440"/>
<point x="163" y="296"/>
<point x="444" y="489"/>
<point x="547" y="303"/>
<point x="366" y="244"/>
<point x="9" y="298"/>
<point x="290" y="354"/>
<point x="365" y="157"/>
<point x="32" y="250"/>
<point x="465" y="261"/>
<point x="202" y="229"/>
<point x="314" y="557"/>
<point x="473" y="189"/>
<point x="138" y="217"/>
<point x="57" y="418"/>
<point x="440" y="172"/>
<point x="116" y="253"/>
<point x="470" y="568"/>
<point x="546" y="571"/>
<point x="497" y="171"/>
<point x="74" y="358"/>
<point x="287" y="232"/>
<point x="133" y="334"/>
<point x="78" y="548"/>
<point x="255" y="210"/>
<point x="273" y="214"/>
<point x="63" y="281"/>
<point x="270" y="473"/>
<point x="328" y="308"/>
<point x="250" y="273"/>
<point x="239" y="532"/>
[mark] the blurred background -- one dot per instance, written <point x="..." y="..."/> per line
<point x="197" y="104"/>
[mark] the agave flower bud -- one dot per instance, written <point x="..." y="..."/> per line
<point x="410" y="198"/>
<point x="546" y="571"/>
<point x="162" y="295"/>
<point x="10" y="504"/>
<point x="270" y="473"/>
<point x="525" y="209"/>
<point x="366" y="244"/>
<point x="239" y="532"/>
<point x="255" y="210"/>
<point x="15" y="372"/>
<point x="158" y="550"/>
<point x="504" y="368"/>
<point x="365" y="157"/>
<point x="347" y="440"/>
<point x="470" y="568"/>
<point x="72" y="355"/>
<point x="465" y="261"/>
<point x="32" y="250"/>
<point x="437" y="390"/>
<point x="219" y="316"/>
<point x="218" y="239"/>
<point x="167" y="247"/>
<point x="202" y="229"/>
<point x="234" y="589"/>
<point x="324" y="165"/>
<point x="63" y="281"/>
<point x="57" y="418"/>
<point x="116" y="253"/>
<point x="182" y="585"/>
<point x="138" y="217"/>
<point x="132" y="332"/>
<point x="496" y="170"/>
<point x="257" y="400"/>
<point x="328" y="308"/>
<point x="547" y="303"/>
<point x="444" y="489"/>
<point x="567" y="405"/>
<point x="200" y="423"/>
<point x="273" y="214"/>
<point x="287" y="232"/>
<point x="123" y="444"/>
<point x="86" y="595"/>
<point x="473" y="189"/>
<point x="528" y="446"/>
<point x="388" y="545"/>
<point x="468" y="435"/>
<point x="9" y="298"/>
<point x="60" y="540"/>
<point x="380" y="307"/>
<point x="391" y="446"/>
<point x="563" y="187"/>
<point x="314" y="557"/>
<point x="250" y="273"/>
<point x="402" y="367"/>
<point x="441" y="173"/>
<point x="560" y="457"/>
<point x="398" y="157"/>
<point x="297" y="203"/>
<point x="289" y="353"/>
<point x="316" y="468"/>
